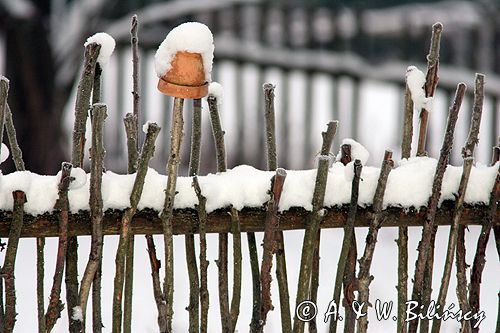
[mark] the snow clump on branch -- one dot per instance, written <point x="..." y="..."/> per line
<point x="4" y="153"/>
<point x="107" y="46"/>
<point x="77" y="314"/>
<point x="415" y="79"/>
<point x="216" y="90"/>
<point x="191" y="37"/>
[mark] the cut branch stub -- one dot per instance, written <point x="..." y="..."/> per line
<point x="186" y="77"/>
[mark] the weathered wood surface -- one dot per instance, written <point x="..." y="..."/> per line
<point x="148" y="222"/>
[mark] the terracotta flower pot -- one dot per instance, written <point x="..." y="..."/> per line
<point x="186" y="77"/>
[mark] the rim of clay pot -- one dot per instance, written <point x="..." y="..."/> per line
<point x="176" y="90"/>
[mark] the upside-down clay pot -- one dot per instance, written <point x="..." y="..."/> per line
<point x="186" y="77"/>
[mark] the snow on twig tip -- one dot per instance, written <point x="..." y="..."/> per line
<point x="358" y="151"/>
<point x="216" y="90"/>
<point x="107" y="46"/>
<point x="191" y="37"/>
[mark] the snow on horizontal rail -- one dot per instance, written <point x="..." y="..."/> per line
<point x="409" y="185"/>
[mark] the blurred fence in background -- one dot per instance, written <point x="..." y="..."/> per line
<point x="327" y="62"/>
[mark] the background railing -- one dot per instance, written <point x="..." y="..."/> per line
<point x="327" y="62"/>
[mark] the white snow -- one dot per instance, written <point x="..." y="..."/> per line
<point x="358" y="151"/>
<point x="107" y="46"/>
<point x="77" y="314"/>
<point x="415" y="79"/>
<point x="216" y="90"/>
<point x="192" y="37"/>
<point x="409" y="185"/>
<point x="145" y="127"/>
<point x="4" y="152"/>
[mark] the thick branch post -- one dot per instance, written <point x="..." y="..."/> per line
<point x="168" y="208"/>
<point x="194" y="166"/>
<point x="364" y="277"/>
<point x="95" y="202"/>
<point x="429" y="224"/>
<point x="123" y="244"/>
<point x="272" y="164"/>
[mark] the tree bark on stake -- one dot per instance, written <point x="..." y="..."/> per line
<point x="229" y="315"/>
<point x="350" y="268"/>
<point x="325" y="151"/>
<point x="310" y="235"/>
<point x="129" y="268"/>
<point x="467" y="154"/>
<point x="425" y="242"/>
<point x="96" y="205"/>
<point x="495" y="157"/>
<point x="10" y="260"/>
<point x="194" y="166"/>
<point x="176" y="134"/>
<point x="348" y="236"/>
<point x="15" y="151"/>
<point x="82" y="105"/>
<point x="202" y="216"/>
<point x="142" y="169"/>
<point x="430" y="88"/>
<point x="463" y="302"/>
<point x="269" y="242"/>
<point x="364" y="277"/>
<point x="431" y="81"/>
<point x="402" y="240"/>
<point x="155" y="277"/>
<point x="55" y="306"/>
<point x="272" y="164"/>
<point x="96" y="284"/>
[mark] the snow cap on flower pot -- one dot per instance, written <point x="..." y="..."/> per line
<point x="183" y="61"/>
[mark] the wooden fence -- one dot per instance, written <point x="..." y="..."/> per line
<point x="349" y="277"/>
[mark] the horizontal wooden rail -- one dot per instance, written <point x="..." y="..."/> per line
<point x="147" y="221"/>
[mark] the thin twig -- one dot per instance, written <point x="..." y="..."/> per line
<point x="364" y="277"/>
<point x="4" y="92"/>
<point x="425" y="243"/>
<point x="168" y="208"/>
<point x="348" y="236"/>
<point x="269" y="244"/>
<point x="15" y="151"/>
<point x="402" y="240"/>
<point x="325" y="150"/>
<point x="123" y="244"/>
<point x="237" y="259"/>
<point x="10" y="259"/>
<point x="202" y="216"/>
<point x="479" y="258"/>
<point x="194" y="166"/>
<point x="467" y="154"/>
<point x="95" y="203"/>
<point x="55" y="306"/>
<point x="431" y="81"/>
<point x="157" y="292"/>
<point x="40" y="294"/>
<point x="131" y="130"/>
<point x="222" y="262"/>
<point x="314" y="220"/>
